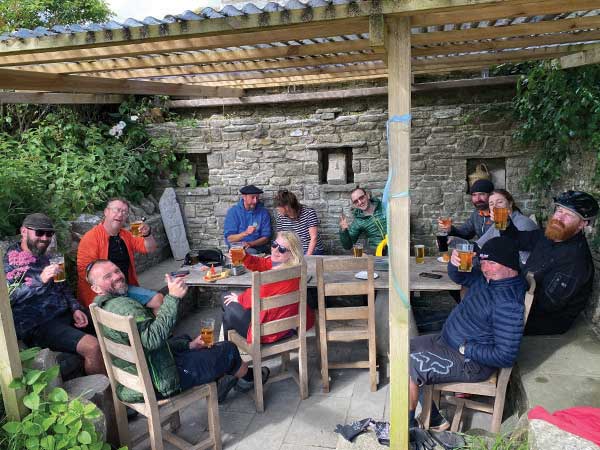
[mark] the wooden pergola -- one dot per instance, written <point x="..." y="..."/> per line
<point x="225" y="56"/>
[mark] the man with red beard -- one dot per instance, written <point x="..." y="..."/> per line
<point x="479" y="221"/>
<point x="561" y="262"/>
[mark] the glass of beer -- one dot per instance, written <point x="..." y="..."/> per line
<point x="357" y="249"/>
<point x="446" y="223"/>
<point x="419" y="254"/>
<point x="442" y="243"/>
<point x="501" y="218"/>
<point x="237" y="253"/>
<point x="207" y="331"/>
<point x="135" y="228"/>
<point x="465" y="253"/>
<point x="60" y="260"/>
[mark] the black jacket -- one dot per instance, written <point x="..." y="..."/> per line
<point x="564" y="274"/>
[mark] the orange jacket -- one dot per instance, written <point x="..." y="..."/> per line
<point x="93" y="246"/>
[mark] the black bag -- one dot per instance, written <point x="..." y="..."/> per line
<point x="206" y="256"/>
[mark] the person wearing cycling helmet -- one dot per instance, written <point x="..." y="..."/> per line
<point x="561" y="261"/>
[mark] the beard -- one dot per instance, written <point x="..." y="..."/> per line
<point x="118" y="288"/>
<point x="481" y="206"/>
<point x="557" y="231"/>
<point x="37" y="247"/>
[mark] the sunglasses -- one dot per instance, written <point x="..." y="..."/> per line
<point x="359" y="199"/>
<point x="280" y="248"/>
<point x="40" y="233"/>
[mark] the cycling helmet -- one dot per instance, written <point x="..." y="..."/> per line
<point x="581" y="203"/>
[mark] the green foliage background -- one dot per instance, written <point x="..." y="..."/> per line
<point x="64" y="161"/>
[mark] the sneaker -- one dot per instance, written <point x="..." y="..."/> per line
<point x="224" y="385"/>
<point x="245" y="385"/>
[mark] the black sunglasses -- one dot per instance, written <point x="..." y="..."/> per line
<point x="280" y="248"/>
<point x="40" y="233"/>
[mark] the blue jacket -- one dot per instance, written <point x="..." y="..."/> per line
<point x="489" y="320"/>
<point x="33" y="302"/>
<point x="238" y="219"/>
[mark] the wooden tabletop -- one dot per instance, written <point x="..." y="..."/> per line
<point x="417" y="283"/>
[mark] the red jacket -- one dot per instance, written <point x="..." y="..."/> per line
<point x="93" y="246"/>
<point x="258" y="264"/>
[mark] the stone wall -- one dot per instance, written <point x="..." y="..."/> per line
<point x="282" y="146"/>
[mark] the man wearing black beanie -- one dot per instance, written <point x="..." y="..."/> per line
<point x="483" y="332"/>
<point x="479" y="221"/>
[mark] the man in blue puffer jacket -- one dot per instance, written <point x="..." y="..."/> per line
<point x="483" y="332"/>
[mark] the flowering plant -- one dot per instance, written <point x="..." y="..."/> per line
<point x="19" y="261"/>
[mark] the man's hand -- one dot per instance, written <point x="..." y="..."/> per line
<point x="442" y="228"/>
<point x="231" y="298"/>
<point x="343" y="222"/>
<point x="251" y="229"/>
<point x="49" y="272"/>
<point x="144" y="229"/>
<point x="176" y="285"/>
<point x="454" y="258"/>
<point x="197" y="343"/>
<point x="80" y="319"/>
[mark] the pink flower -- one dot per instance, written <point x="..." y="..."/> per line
<point x="16" y="273"/>
<point x="28" y="281"/>
<point x="17" y="258"/>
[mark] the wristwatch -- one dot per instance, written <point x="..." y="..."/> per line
<point x="461" y="349"/>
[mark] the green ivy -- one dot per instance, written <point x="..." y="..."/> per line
<point x="55" y="422"/>
<point x="559" y="112"/>
<point x="65" y="161"/>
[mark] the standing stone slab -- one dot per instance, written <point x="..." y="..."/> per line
<point x="171" y="217"/>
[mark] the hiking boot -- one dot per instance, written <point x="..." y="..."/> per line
<point x="224" y="385"/>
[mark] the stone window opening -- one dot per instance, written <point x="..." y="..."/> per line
<point x="198" y="174"/>
<point x="495" y="166"/>
<point x="335" y="165"/>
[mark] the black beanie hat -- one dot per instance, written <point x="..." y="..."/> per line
<point x="482" y="186"/>
<point x="502" y="250"/>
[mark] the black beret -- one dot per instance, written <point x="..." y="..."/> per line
<point x="38" y="221"/>
<point x="251" y="189"/>
<point x="482" y="186"/>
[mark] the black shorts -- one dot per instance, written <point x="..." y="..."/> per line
<point x="202" y="366"/>
<point x="432" y="361"/>
<point x="59" y="334"/>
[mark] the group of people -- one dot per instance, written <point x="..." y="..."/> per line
<point x="483" y="332"/>
<point x="249" y="221"/>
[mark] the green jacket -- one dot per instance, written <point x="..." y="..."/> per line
<point x="154" y="334"/>
<point x="374" y="226"/>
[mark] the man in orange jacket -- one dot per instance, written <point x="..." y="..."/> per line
<point x="109" y="240"/>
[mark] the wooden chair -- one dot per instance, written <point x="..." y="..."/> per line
<point x="494" y="387"/>
<point x="327" y="286"/>
<point x="258" y="351"/>
<point x="157" y="412"/>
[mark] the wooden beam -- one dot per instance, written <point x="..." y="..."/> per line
<point x="10" y="363"/>
<point x="350" y="26"/>
<point x="42" y="98"/>
<point x="244" y="66"/>
<point x="587" y="57"/>
<point x="197" y="58"/>
<point x="496" y="32"/>
<point x="287" y="18"/>
<point x="20" y="79"/>
<point x="339" y="93"/>
<point x="399" y="85"/>
<point x="377" y="32"/>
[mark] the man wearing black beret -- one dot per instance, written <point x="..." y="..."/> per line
<point x="479" y="221"/>
<point x="248" y="222"/>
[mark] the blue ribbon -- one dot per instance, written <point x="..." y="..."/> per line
<point x="405" y="118"/>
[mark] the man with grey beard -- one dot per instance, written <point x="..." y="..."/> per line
<point x="561" y="261"/>
<point x="45" y="312"/>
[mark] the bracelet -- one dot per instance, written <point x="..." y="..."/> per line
<point x="149" y="232"/>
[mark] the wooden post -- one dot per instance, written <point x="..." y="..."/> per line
<point x="399" y="87"/>
<point x="10" y="362"/>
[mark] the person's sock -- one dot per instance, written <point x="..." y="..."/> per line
<point x="412" y="422"/>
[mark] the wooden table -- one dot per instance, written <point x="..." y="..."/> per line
<point x="417" y="283"/>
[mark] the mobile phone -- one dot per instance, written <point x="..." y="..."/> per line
<point x="430" y="275"/>
<point x="180" y="273"/>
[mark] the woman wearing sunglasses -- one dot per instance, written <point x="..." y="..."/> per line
<point x="286" y="251"/>
<point x="302" y="220"/>
<point x="369" y="219"/>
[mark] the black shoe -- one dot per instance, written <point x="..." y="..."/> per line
<point x="131" y="413"/>
<point x="224" y="385"/>
<point x="244" y="385"/>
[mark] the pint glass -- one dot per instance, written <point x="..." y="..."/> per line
<point x="442" y="243"/>
<point x="60" y="260"/>
<point x="465" y="253"/>
<point x="135" y="228"/>
<point x="501" y="218"/>
<point x="237" y="253"/>
<point x="357" y="250"/>
<point x="419" y="254"/>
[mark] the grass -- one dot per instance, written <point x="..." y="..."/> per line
<point x="500" y="443"/>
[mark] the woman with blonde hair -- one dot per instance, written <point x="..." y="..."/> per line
<point x="286" y="251"/>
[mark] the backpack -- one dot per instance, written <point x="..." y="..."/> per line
<point x="206" y="256"/>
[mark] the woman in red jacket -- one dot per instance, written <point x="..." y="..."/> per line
<point x="286" y="251"/>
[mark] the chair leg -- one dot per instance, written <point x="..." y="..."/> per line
<point x="258" y="385"/>
<point x="155" y="432"/>
<point x="122" y="422"/>
<point x="426" y="406"/>
<point x="323" y="352"/>
<point x="214" y="425"/>
<point x="497" y="414"/>
<point x="285" y="362"/>
<point x="175" y="422"/>
<point x="372" y="359"/>
<point x="303" y="369"/>
<point x="460" y="406"/>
